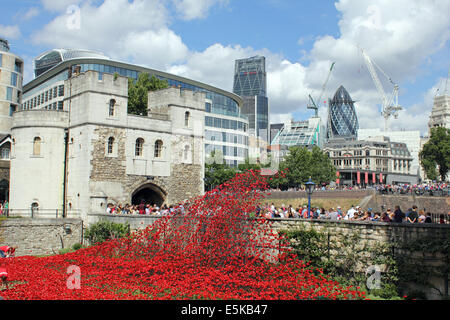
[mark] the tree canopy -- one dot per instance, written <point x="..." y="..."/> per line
<point x="436" y="154"/>
<point x="297" y="167"/>
<point x="301" y="164"/>
<point x="138" y="92"/>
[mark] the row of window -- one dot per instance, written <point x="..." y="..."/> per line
<point x="225" y="124"/>
<point x="378" y="162"/>
<point x="48" y="95"/>
<point x="226" y="151"/>
<point x="226" y="137"/>
<point x="139" y="147"/>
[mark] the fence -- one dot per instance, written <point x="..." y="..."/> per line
<point x="37" y="213"/>
<point x="417" y="192"/>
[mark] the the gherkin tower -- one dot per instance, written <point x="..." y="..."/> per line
<point x="342" y="119"/>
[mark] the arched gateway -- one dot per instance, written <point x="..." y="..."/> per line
<point x="149" y="193"/>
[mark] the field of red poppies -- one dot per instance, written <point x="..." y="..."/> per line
<point x="210" y="251"/>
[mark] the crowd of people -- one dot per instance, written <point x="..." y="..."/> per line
<point x="415" y="188"/>
<point x="412" y="215"/>
<point x="144" y="209"/>
<point x="385" y="188"/>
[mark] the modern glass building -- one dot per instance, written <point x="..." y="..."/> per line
<point x="342" y="119"/>
<point x="50" y="59"/>
<point x="298" y="133"/>
<point x="226" y="128"/>
<point x="250" y="82"/>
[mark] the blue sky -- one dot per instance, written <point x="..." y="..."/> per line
<point x="200" y="39"/>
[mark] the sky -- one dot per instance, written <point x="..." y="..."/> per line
<point x="201" y="39"/>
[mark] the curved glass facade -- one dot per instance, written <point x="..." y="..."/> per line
<point x="54" y="57"/>
<point x="342" y="119"/>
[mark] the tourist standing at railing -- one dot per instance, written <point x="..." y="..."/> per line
<point x="398" y="215"/>
<point x="413" y="216"/>
<point x="422" y="216"/>
<point x="428" y="218"/>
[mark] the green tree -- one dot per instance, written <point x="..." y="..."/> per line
<point x="138" y="92"/>
<point x="436" y="154"/>
<point x="216" y="171"/>
<point x="300" y="164"/>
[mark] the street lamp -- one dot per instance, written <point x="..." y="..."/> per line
<point x="309" y="190"/>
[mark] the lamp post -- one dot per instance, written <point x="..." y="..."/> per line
<point x="309" y="190"/>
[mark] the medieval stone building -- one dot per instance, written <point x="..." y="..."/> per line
<point x="91" y="153"/>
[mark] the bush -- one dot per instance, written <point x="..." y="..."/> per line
<point x="105" y="230"/>
<point x="76" y="246"/>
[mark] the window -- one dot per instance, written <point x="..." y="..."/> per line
<point x="186" y="118"/>
<point x="12" y="109"/>
<point x="158" y="148"/>
<point x="139" y="147"/>
<point x="60" y="105"/>
<point x="37" y="146"/>
<point x="50" y="94"/>
<point x="14" y="79"/>
<point x="61" y="91"/>
<point x="112" y="103"/>
<point x="110" y="145"/>
<point x="5" y="151"/>
<point x="55" y="92"/>
<point x="9" y="92"/>
<point x="186" y="153"/>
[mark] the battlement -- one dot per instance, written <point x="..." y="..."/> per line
<point x="162" y="99"/>
<point x="95" y="81"/>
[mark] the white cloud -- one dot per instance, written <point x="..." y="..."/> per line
<point x="398" y="35"/>
<point x="10" y="32"/>
<point x="195" y="9"/>
<point x="133" y="31"/>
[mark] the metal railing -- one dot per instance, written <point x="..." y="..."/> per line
<point x="35" y="213"/>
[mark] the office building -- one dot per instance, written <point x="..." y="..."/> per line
<point x="298" y="133"/>
<point x="342" y="119"/>
<point x="250" y="83"/>
<point x="375" y="160"/>
<point x="411" y="138"/>
<point x="11" y="78"/>
<point x="440" y="114"/>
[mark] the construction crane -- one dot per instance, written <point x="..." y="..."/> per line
<point x="314" y="105"/>
<point x="390" y="105"/>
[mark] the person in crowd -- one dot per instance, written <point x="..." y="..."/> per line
<point x="398" y="215"/>
<point x="322" y="214"/>
<point x="375" y="217"/>
<point x="385" y="218"/>
<point x="442" y="219"/>
<point x="422" y="216"/>
<point x="363" y="216"/>
<point x="331" y="214"/>
<point x="351" y="213"/>
<point x="413" y="216"/>
<point x="428" y="218"/>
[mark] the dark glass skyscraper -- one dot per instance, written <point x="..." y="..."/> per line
<point x="250" y="82"/>
<point x="342" y="119"/>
